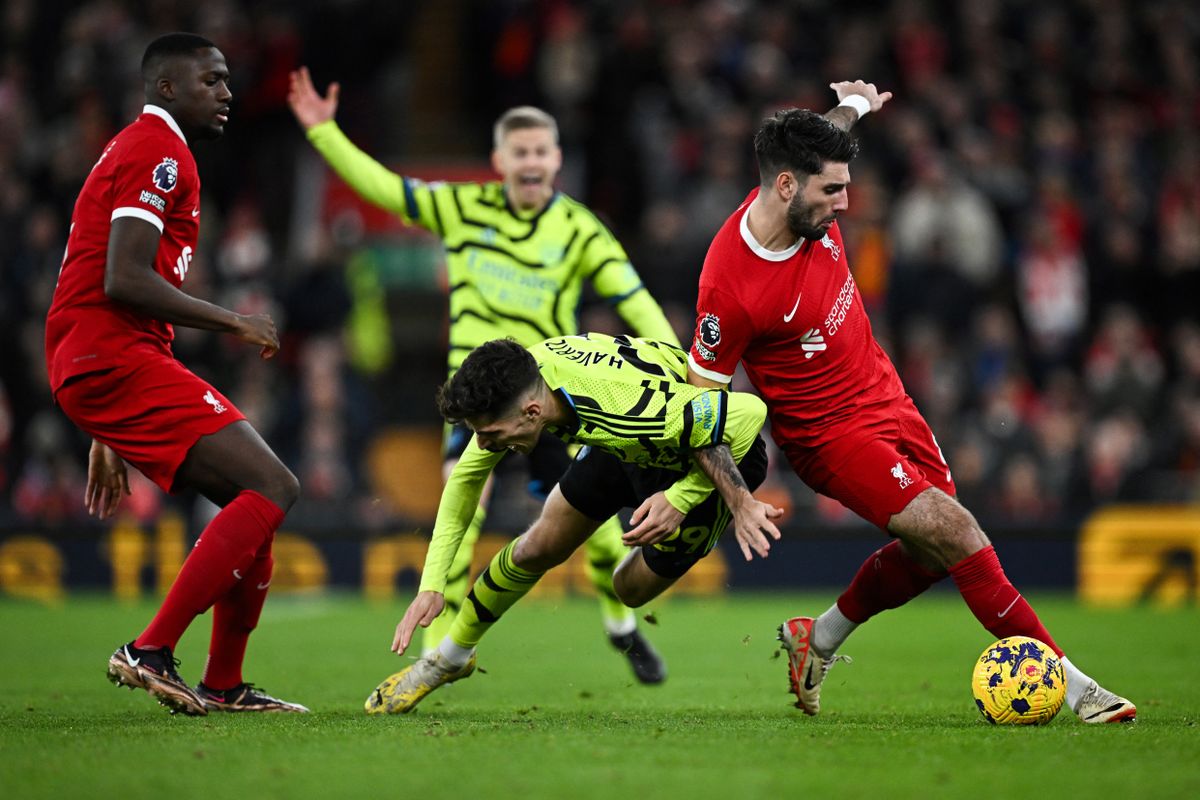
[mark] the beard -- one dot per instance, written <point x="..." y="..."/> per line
<point x="801" y="220"/>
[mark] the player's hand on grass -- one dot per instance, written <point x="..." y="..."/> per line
<point x="876" y="98"/>
<point x="654" y="520"/>
<point x="258" y="329"/>
<point x="107" y="481"/>
<point x="752" y="525"/>
<point x="421" y="611"/>
<point x="307" y="104"/>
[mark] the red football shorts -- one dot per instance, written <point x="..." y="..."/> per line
<point x="150" y="413"/>
<point x="876" y="465"/>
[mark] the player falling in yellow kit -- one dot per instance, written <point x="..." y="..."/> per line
<point x="653" y="441"/>
<point x="517" y="253"/>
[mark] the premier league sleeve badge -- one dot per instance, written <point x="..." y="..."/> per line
<point x="166" y="175"/>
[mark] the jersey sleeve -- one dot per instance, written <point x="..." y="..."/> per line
<point x="459" y="501"/>
<point x="645" y="316"/>
<point x="149" y="180"/>
<point x="410" y="199"/>
<point x="723" y="330"/>
<point x="614" y="278"/>
<point x="719" y="417"/>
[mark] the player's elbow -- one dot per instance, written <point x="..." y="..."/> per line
<point x="121" y="288"/>
<point x="115" y="288"/>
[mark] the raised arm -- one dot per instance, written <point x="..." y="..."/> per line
<point x="374" y="182"/>
<point x="130" y="279"/>
<point x="309" y="106"/>
<point x="864" y="98"/>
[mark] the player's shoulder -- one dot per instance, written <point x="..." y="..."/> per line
<point x="726" y="252"/>
<point x="149" y="142"/>
<point x="158" y="129"/>
<point x="577" y="212"/>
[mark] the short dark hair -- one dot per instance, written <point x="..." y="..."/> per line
<point x="168" y="46"/>
<point x="490" y="380"/>
<point x="800" y="141"/>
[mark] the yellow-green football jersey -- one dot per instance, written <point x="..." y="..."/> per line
<point x="632" y="399"/>
<point x="510" y="274"/>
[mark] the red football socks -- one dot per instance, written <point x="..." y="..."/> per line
<point x="994" y="601"/>
<point x="887" y="579"/>
<point x="222" y="556"/>
<point x="234" y="616"/>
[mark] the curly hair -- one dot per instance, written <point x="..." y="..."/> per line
<point x="490" y="380"/>
<point x="800" y="141"/>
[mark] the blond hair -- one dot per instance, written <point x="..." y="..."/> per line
<point x="522" y="117"/>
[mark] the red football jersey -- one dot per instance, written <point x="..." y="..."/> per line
<point x="795" y="320"/>
<point x="147" y="172"/>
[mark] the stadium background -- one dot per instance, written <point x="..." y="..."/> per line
<point x="1024" y="228"/>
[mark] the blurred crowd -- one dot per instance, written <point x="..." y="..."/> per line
<point x="1024" y="220"/>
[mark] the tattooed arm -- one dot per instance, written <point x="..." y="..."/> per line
<point x="844" y="117"/>
<point x="751" y="518"/>
<point x="725" y="429"/>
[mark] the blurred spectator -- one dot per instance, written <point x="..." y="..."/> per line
<point x="1122" y="368"/>
<point x="1022" y="498"/>
<point x="1052" y="280"/>
<point x="1115" y="452"/>
<point x="947" y="243"/>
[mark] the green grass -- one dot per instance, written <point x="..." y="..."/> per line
<point x="557" y="713"/>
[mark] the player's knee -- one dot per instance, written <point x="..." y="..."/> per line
<point x="635" y="583"/>
<point x="629" y="593"/>
<point x="282" y="488"/>
<point x="626" y="588"/>
<point x="538" y="553"/>
<point x="937" y="525"/>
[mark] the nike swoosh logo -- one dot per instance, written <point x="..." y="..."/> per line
<point x="788" y="317"/>
<point x="808" y="684"/>
<point x="133" y="662"/>
<point x="1110" y="709"/>
<point x="1010" y="605"/>
<point x="237" y="574"/>
<point x="264" y="585"/>
<point x="196" y="212"/>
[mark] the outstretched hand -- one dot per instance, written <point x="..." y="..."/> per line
<point x="752" y="525"/>
<point x="844" y="89"/>
<point x="107" y="481"/>
<point x="423" y="610"/>
<point x="307" y="104"/>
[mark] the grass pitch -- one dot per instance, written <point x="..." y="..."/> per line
<point x="558" y="714"/>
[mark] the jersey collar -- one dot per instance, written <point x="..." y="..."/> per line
<point x="165" y="116"/>
<point x="759" y="250"/>
<point x="537" y="216"/>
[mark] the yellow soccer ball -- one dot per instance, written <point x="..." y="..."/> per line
<point x="1019" y="681"/>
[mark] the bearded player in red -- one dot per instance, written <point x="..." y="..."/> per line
<point x="776" y="294"/>
<point x="108" y="352"/>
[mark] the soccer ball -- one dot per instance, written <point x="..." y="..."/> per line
<point x="1019" y="681"/>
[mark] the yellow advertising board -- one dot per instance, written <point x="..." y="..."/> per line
<point x="1139" y="554"/>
